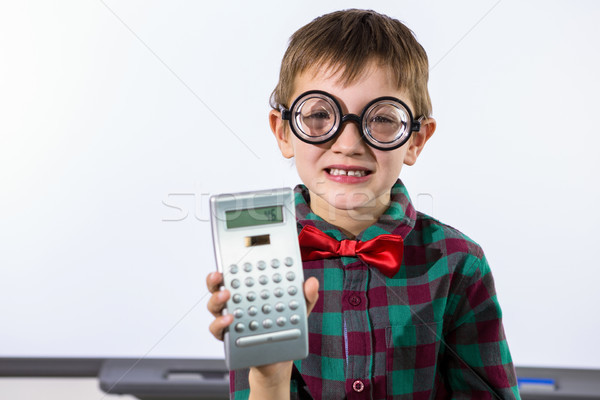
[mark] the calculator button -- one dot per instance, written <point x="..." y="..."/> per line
<point x="288" y="261"/>
<point x="261" y="265"/>
<point x="293" y="304"/>
<point x="233" y="269"/>
<point x="290" y="276"/>
<point x="267" y="323"/>
<point x="280" y="306"/>
<point x="275" y="263"/>
<point x="263" y="280"/>
<point x="249" y="282"/>
<point x="264" y="294"/>
<point x="292" y="290"/>
<point x="278" y="292"/>
<point x="239" y="327"/>
<point x="269" y="337"/>
<point x="253" y="325"/>
<point x="237" y="298"/>
<point x="238" y="313"/>
<point x="266" y="308"/>
<point x="252" y="310"/>
<point x="281" y="321"/>
<point x="251" y="296"/>
<point x="276" y="278"/>
<point x="235" y="283"/>
<point x="294" y="319"/>
<point x="247" y="267"/>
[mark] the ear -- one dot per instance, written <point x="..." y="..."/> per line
<point x="418" y="139"/>
<point x="284" y="139"/>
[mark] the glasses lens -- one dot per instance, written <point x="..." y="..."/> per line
<point x="316" y="117"/>
<point x="387" y="122"/>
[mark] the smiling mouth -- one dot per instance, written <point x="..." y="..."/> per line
<point x="345" y="172"/>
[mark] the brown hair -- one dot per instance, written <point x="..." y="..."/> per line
<point x="348" y="41"/>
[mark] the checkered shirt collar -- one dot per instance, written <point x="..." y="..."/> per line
<point x="399" y="218"/>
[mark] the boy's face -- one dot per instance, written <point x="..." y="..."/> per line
<point x="346" y="173"/>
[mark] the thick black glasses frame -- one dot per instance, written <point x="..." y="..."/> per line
<point x="415" y="125"/>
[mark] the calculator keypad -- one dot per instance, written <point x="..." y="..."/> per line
<point x="270" y="309"/>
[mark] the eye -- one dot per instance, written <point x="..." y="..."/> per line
<point x="383" y="119"/>
<point x="317" y="115"/>
<point x="316" y="122"/>
<point x="316" y="110"/>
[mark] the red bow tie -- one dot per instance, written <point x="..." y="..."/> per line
<point x="383" y="252"/>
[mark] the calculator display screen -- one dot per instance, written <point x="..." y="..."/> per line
<point x="253" y="216"/>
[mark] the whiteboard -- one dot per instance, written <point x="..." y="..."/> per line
<point x="119" y="119"/>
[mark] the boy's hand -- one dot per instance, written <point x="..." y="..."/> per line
<point x="217" y="301"/>
<point x="311" y="293"/>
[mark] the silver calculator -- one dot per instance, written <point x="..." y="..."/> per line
<point x="256" y="248"/>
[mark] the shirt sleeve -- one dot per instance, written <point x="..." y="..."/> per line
<point x="476" y="360"/>
<point x="239" y="388"/>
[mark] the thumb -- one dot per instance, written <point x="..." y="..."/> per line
<point x="311" y="293"/>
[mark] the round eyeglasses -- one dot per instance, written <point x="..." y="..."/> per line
<point x="316" y="117"/>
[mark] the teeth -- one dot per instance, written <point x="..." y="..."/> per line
<point x="335" y="171"/>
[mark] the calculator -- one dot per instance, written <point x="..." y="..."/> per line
<point x="256" y="248"/>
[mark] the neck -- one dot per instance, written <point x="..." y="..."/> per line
<point x="350" y="221"/>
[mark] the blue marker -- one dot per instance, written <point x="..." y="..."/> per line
<point x="530" y="385"/>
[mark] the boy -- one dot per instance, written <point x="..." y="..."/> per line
<point x="419" y="320"/>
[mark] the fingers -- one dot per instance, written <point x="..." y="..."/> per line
<point x="213" y="281"/>
<point x="311" y="293"/>
<point x="219" y="324"/>
<point x="217" y="301"/>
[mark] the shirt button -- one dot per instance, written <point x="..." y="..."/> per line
<point x="358" y="386"/>
<point x="354" y="300"/>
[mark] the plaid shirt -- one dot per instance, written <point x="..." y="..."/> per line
<point x="433" y="331"/>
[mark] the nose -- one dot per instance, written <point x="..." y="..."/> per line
<point x="349" y="139"/>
